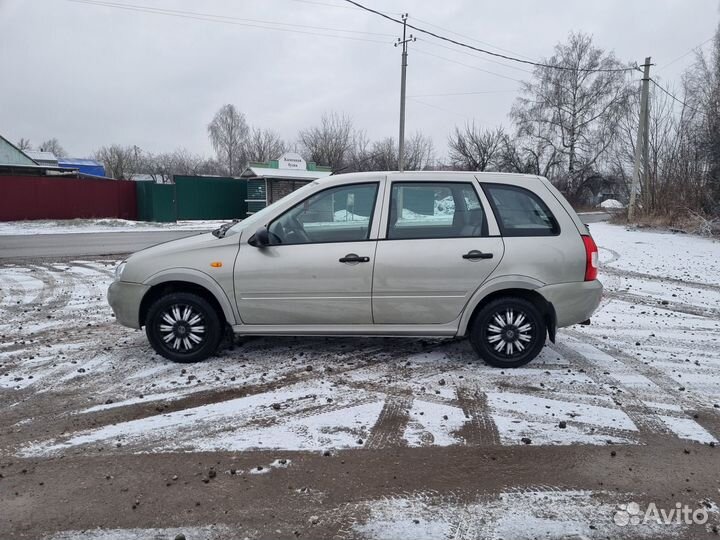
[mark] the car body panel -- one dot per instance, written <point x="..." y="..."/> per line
<point x="304" y="284"/>
<point x="420" y="287"/>
<point x="426" y="281"/>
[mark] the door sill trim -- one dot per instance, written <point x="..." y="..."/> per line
<point x="377" y="330"/>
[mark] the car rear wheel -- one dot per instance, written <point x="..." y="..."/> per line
<point x="183" y="327"/>
<point x="508" y="332"/>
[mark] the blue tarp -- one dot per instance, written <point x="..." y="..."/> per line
<point x="85" y="166"/>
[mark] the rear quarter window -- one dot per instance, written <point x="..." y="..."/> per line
<point x="520" y="212"/>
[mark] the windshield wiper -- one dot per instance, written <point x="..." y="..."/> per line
<point x="222" y="231"/>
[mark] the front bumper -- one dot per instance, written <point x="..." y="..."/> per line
<point x="573" y="302"/>
<point x="124" y="299"/>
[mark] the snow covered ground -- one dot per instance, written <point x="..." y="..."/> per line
<point x="65" y="226"/>
<point x="73" y="383"/>
<point x="648" y="361"/>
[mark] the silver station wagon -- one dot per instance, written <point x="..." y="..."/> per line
<point x="499" y="258"/>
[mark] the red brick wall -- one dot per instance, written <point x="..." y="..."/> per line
<point x="49" y="197"/>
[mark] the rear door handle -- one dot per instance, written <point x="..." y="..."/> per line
<point x="354" y="258"/>
<point x="474" y="254"/>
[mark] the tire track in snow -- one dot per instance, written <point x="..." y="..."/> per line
<point x="479" y="429"/>
<point x="677" y="307"/>
<point x="658" y="279"/>
<point x="389" y="428"/>
<point x="644" y="418"/>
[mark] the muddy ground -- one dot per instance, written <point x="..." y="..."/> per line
<point x="364" y="438"/>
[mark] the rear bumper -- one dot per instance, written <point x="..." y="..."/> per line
<point x="573" y="302"/>
<point x="124" y="299"/>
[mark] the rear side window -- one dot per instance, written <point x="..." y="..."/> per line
<point x="435" y="210"/>
<point x="520" y="212"/>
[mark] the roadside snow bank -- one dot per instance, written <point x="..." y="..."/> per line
<point x="65" y="226"/>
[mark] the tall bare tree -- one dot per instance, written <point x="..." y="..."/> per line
<point x="702" y="86"/>
<point x="574" y="110"/>
<point x="419" y="152"/>
<point x="328" y="143"/>
<point x="54" y="146"/>
<point x="263" y="145"/>
<point x="475" y="149"/>
<point x="121" y="162"/>
<point x="24" y="144"/>
<point x="228" y="134"/>
<point x="161" y="167"/>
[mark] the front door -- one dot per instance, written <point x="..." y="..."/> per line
<point x="318" y="268"/>
<point x="436" y="253"/>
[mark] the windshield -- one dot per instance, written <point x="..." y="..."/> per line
<point x="255" y="220"/>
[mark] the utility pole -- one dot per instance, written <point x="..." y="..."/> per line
<point x="642" y="142"/>
<point x="401" y="139"/>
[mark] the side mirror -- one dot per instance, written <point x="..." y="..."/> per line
<point x="261" y="238"/>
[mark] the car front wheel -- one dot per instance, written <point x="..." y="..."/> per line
<point x="508" y="332"/>
<point x="183" y="327"/>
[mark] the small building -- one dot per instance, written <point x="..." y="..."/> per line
<point x="89" y="167"/>
<point x="46" y="159"/>
<point x="12" y="156"/>
<point x="271" y="181"/>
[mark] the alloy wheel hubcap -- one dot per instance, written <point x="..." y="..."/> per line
<point x="509" y="332"/>
<point x="182" y="328"/>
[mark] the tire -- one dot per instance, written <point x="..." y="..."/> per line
<point x="502" y="340"/>
<point x="170" y="332"/>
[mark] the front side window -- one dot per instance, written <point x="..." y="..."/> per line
<point x="520" y="212"/>
<point x="339" y="214"/>
<point x="435" y="210"/>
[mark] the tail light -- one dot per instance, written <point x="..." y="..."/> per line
<point x="591" y="258"/>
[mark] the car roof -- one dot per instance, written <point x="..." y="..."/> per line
<point x="431" y="175"/>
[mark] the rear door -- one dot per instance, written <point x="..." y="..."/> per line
<point x="440" y="245"/>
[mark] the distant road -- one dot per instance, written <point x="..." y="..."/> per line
<point x="594" y="217"/>
<point x="31" y="246"/>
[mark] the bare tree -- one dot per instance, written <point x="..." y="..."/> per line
<point x="228" y="134"/>
<point x="359" y="157"/>
<point x="121" y="162"/>
<point x="476" y="149"/>
<point x="419" y="152"/>
<point x="574" y="110"/>
<point x="330" y="142"/>
<point x="385" y="155"/>
<point x="263" y="145"/>
<point x="526" y="156"/>
<point x="53" y="145"/>
<point x="702" y="87"/>
<point x="24" y="144"/>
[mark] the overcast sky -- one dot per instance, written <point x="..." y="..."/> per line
<point x="93" y="75"/>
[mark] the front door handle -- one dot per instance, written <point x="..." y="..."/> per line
<point x="353" y="258"/>
<point x="474" y="254"/>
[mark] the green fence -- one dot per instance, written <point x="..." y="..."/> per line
<point x="192" y="197"/>
<point x="210" y="197"/>
<point x="155" y="202"/>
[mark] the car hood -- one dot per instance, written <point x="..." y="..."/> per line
<point x="172" y="246"/>
<point x="194" y="252"/>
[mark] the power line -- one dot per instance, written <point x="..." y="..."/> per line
<point x="465" y="93"/>
<point x="326" y="4"/>
<point x="491" y="53"/>
<point x="438" y="108"/>
<point x="680" y="101"/>
<point x="428" y="23"/>
<point x="236" y="21"/>
<point x="483" y="58"/>
<point x="695" y="48"/>
<point x="426" y="53"/>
